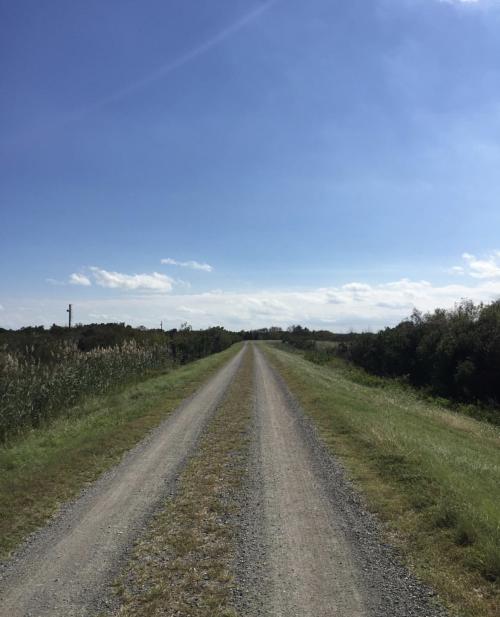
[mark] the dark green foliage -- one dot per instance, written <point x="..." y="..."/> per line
<point x="450" y="354"/>
<point x="453" y="354"/>
<point x="187" y="344"/>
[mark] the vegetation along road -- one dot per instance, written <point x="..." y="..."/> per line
<point x="237" y="505"/>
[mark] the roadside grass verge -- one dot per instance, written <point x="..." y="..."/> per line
<point x="50" y="465"/>
<point x="433" y="476"/>
<point x="184" y="564"/>
<point x="322" y="355"/>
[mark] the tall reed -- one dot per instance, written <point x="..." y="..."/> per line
<point x="33" y="392"/>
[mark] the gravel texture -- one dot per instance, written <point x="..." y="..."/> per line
<point x="66" y="568"/>
<point x="308" y="545"/>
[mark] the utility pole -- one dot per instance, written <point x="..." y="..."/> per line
<point x="69" y="310"/>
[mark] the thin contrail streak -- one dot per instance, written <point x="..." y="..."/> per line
<point x="173" y="65"/>
<point x="161" y="71"/>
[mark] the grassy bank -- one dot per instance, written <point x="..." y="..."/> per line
<point x="184" y="565"/>
<point x="50" y="465"/>
<point x="432" y="475"/>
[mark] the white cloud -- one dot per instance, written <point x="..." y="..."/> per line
<point x="155" y="282"/>
<point x="1" y="308"/>
<point x="79" y="279"/>
<point x="338" y="308"/>
<point x="194" y="265"/>
<point x="485" y="268"/>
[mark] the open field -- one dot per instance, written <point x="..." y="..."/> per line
<point x="431" y="474"/>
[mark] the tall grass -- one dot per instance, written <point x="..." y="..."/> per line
<point x="49" y="466"/>
<point x="33" y="392"/>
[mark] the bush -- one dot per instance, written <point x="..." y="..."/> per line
<point x="453" y="354"/>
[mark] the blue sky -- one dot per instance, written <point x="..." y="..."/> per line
<point x="333" y="163"/>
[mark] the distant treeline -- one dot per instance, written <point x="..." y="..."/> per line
<point x="44" y="372"/>
<point x="454" y="354"/>
<point x="183" y="344"/>
<point x="306" y="339"/>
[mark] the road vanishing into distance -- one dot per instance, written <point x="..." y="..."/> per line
<point x="310" y="548"/>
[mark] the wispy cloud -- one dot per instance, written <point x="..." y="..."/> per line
<point x="155" y="282"/>
<point x="194" y="265"/>
<point x="79" y="279"/>
<point x="192" y="54"/>
<point x="487" y="267"/>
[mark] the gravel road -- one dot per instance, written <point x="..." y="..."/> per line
<point x="65" y="570"/>
<point x="311" y="570"/>
<point x="307" y="545"/>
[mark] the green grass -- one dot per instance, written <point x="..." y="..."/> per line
<point x="431" y="474"/>
<point x="50" y="465"/>
<point x="185" y="563"/>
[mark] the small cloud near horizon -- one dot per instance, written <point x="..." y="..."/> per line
<point x="79" y="279"/>
<point x="193" y="265"/>
<point x="487" y="267"/>
<point x="132" y="282"/>
<point x="354" y="305"/>
<point x="154" y="282"/>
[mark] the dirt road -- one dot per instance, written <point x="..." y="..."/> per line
<point x="65" y="571"/>
<point x="310" y="565"/>
<point x="308" y="546"/>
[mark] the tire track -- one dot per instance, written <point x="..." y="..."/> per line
<point x="67" y="568"/>
<point x="310" y="567"/>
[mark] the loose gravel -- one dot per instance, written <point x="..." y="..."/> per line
<point x="67" y="568"/>
<point x="371" y="581"/>
<point x="306" y="543"/>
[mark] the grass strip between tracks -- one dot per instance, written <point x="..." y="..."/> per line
<point x="51" y="465"/>
<point x="184" y="564"/>
<point x="430" y="474"/>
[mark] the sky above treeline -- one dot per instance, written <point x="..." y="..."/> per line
<point x="247" y="163"/>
